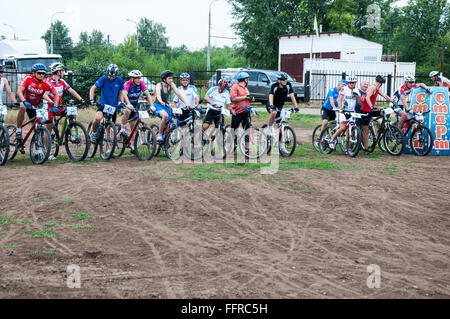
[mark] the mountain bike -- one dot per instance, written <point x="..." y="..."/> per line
<point x="4" y="138"/>
<point x="73" y="134"/>
<point x="422" y="139"/>
<point x="144" y="144"/>
<point x="106" y="134"/>
<point x="252" y="143"/>
<point x="316" y="134"/>
<point x="221" y="141"/>
<point x="40" y="144"/>
<point x="287" y="135"/>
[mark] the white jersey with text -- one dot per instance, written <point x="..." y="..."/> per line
<point x="219" y="99"/>
<point x="189" y="94"/>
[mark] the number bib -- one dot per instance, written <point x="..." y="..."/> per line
<point x="72" y="110"/>
<point x="42" y="114"/>
<point x="3" y="110"/>
<point x="388" y="111"/>
<point x="143" y="115"/>
<point x="108" y="109"/>
<point x="285" y="114"/>
<point x="226" y="111"/>
<point x="419" y="117"/>
<point x="177" y="111"/>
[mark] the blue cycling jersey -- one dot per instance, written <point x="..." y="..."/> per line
<point x="334" y="93"/>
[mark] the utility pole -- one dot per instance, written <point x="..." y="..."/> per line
<point x="442" y="59"/>
<point x="395" y="67"/>
<point x="137" y="32"/>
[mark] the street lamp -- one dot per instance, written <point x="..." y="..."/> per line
<point x="51" y="27"/>
<point x="137" y="32"/>
<point x="14" y="30"/>
<point x="208" y="63"/>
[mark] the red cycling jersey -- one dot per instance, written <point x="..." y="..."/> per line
<point x="60" y="87"/>
<point x="34" y="90"/>
<point x="366" y="107"/>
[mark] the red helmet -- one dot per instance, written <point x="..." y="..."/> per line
<point x="223" y="84"/>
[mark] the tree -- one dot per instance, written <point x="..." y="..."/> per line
<point x="152" y="36"/>
<point x="62" y="42"/>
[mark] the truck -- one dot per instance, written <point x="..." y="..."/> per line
<point x="18" y="56"/>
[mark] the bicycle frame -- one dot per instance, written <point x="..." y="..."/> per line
<point x="34" y="121"/>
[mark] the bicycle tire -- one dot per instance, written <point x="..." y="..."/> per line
<point x="92" y="146"/>
<point x="269" y="140"/>
<point x="233" y="147"/>
<point x="4" y="145"/>
<point x="289" y="141"/>
<point x="173" y="145"/>
<point x="372" y="138"/>
<point x="354" y="140"/>
<point x="325" y="138"/>
<point x="254" y="134"/>
<point x="343" y="142"/>
<point x="69" y="139"/>
<point x="145" y="140"/>
<point x="108" y="141"/>
<point x="55" y="141"/>
<point x="315" y="139"/>
<point x="197" y="147"/>
<point x="121" y="143"/>
<point x="395" y="136"/>
<point x="424" y="133"/>
<point x="38" y="140"/>
<point x="13" y="147"/>
<point x="155" y="129"/>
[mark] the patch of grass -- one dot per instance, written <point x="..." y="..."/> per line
<point x="42" y="198"/>
<point x="44" y="233"/>
<point x="311" y="164"/>
<point x="24" y="222"/>
<point x="50" y="224"/>
<point x="49" y="252"/>
<point x="169" y="224"/>
<point x="6" y="220"/>
<point x="82" y="216"/>
<point x="12" y="246"/>
<point x="67" y="202"/>
<point x="4" y="233"/>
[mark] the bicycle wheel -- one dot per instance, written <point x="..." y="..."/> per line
<point x="39" y="151"/>
<point x="4" y="145"/>
<point x="316" y="138"/>
<point x="121" y="143"/>
<point x="155" y="129"/>
<point x="173" y="145"/>
<point x="354" y="140"/>
<point x="144" y="142"/>
<point x="108" y="141"/>
<point x="55" y="141"/>
<point x="76" y="141"/>
<point x="231" y="138"/>
<point x="325" y="139"/>
<point x="221" y="143"/>
<point x="342" y="141"/>
<point x="394" y="141"/>
<point x="13" y="147"/>
<point x="290" y="141"/>
<point x="372" y="137"/>
<point x="269" y="140"/>
<point x="253" y="143"/>
<point x="92" y="146"/>
<point x="421" y="140"/>
<point x="195" y="142"/>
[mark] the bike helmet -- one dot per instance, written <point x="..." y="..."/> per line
<point x="165" y="74"/>
<point x="242" y="76"/>
<point x="380" y="79"/>
<point x="410" y="78"/>
<point x="135" y="74"/>
<point x="434" y="73"/>
<point x="223" y="84"/>
<point x="352" y="78"/>
<point x="112" y="70"/>
<point x="343" y="81"/>
<point x="55" y="67"/>
<point x="38" y="67"/>
<point x="185" y="76"/>
<point x="282" y="76"/>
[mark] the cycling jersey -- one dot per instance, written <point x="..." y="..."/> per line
<point x="134" y="91"/>
<point x="280" y="94"/>
<point x="334" y="93"/>
<point x="443" y="80"/>
<point x="110" y="90"/>
<point x="239" y="91"/>
<point x="60" y="87"/>
<point x="189" y="94"/>
<point x="403" y="90"/>
<point x="165" y="97"/>
<point x="220" y="99"/>
<point x="349" y="99"/>
<point x="366" y="107"/>
<point x="34" y="90"/>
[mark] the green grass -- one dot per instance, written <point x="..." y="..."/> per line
<point x="44" y="233"/>
<point x="67" y="202"/>
<point x="49" y="251"/>
<point x="7" y="220"/>
<point x="50" y="224"/>
<point x="24" y="222"/>
<point x="42" y="198"/>
<point x="12" y="246"/>
<point x="82" y="216"/>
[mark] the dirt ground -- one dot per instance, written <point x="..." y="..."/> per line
<point x="161" y="230"/>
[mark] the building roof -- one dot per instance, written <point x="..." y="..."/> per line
<point x="322" y="33"/>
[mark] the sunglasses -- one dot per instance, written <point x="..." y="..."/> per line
<point x="41" y="73"/>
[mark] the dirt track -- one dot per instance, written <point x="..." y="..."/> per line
<point x="159" y="230"/>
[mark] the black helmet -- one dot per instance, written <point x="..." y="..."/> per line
<point x="112" y="70"/>
<point x="380" y="79"/>
<point x="282" y="76"/>
<point x="165" y="74"/>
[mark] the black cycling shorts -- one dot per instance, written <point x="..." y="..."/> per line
<point x="328" y="114"/>
<point x="114" y="117"/>
<point x="31" y="113"/>
<point x="237" y="119"/>
<point x="212" y="115"/>
<point x="366" y="119"/>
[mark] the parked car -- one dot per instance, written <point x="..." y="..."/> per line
<point x="151" y="85"/>
<point x="224" y="72"/>
<point x="261" y="81"/>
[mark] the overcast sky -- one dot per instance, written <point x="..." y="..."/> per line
<point x="186" y="21"/>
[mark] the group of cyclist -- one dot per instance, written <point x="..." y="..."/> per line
<point x="347" y="98"/>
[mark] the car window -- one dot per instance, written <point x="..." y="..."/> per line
<point x="253" y="76"/>
<point x="262" y="77"/>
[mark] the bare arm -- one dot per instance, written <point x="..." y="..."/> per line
<point x="10" y="93"/>
<point x="294" y="101"/>
<point x="149" y="99"/>
<point x="92" y="92"/>
<point x="270" y="99"/>
<point x="340" y="98"/>
<point x="20" y="91"/>
<point x="387" y="98"/>
<point x="208" y="100"/>
<point x="75" y="94"/>
<point x="180" y="96"/>
<point x="56" y="98"/>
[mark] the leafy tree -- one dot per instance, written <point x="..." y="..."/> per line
<point x="152" y="36"/>
<point x="62" y="42"/>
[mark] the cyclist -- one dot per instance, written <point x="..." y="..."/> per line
<point x="362" y="92"/>
<point x="60" y="85"/>
<point x="111" y="86"/>
<point x="162" y="104"/>
<point x="277" y="96"/>
<point x="331" y="103"/>
<point x="368" y="106"/>
<point x="4" y="85"/>
<point x="439" y="80"/>
<point x="189" y="93"/>
<point x="32" y="89"/>
<point x="349" y="96"/>
<point x="216" y="98"/>
<point x="400" y="103"/>
<point x="133" y="89"/>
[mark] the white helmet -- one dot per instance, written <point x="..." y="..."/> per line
<point x="410" y="78"/>
<point x="433" y="73"/>
<point x="351" y="78"/>
<point x="135" y="74"/>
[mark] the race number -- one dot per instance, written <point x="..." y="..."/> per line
<point x="397" y="110"/>
<point x="226" y="111"/>
<point x="72" y="110"/>
<point x="3" y="110"/>
<point x="143" y="115"/>
<point x="42" y="114"/>
<point x="356" y="115"/>
<point x="419" y="117"/>
<point x="388" y="111"/>
<point x="108" y="109"/>
<point x="177" y="111"/>
<point x="285" y="114"/>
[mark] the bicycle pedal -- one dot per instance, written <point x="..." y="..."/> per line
<point x="22" y="150"/>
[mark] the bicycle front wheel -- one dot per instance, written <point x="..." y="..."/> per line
<point x="316" y="137"/>
<point x="144" y="142"/>
<point x="76" y="141"/>
<point x="121" y="143"/>
<point x="40" y="146"/>
<point x="108" y="141"/>
<point x="155" y="129"/>
<point x="290" y="141"/>
<point x="13" y="147"/>
<point x="422" y="140"/>
<point x="55" y="141"/>
<point x="325" y="139"/>
<point x="253" y="143"/>
<point x="372" y="137"/>
<point x="354" y="140"/>
<point x="394" y="141"/>
<point x="4" y="145"/>
<point x="173" y="145"/>
<point x="92" y="146"/>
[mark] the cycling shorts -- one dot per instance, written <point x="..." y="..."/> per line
<point x="159" y="108"/>
<point x="366" y="119"/>
<point x="114" y="117"/>
<point x="212" y="115"/>
<point x="327" y="114"/>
